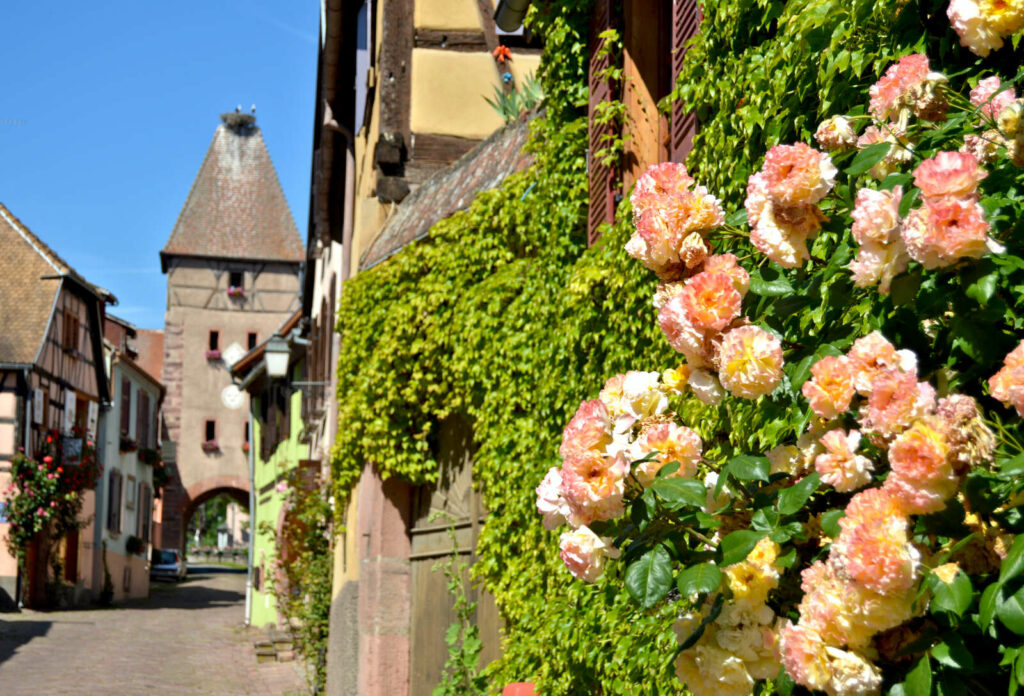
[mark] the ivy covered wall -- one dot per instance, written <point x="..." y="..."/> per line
<point x="505" y="315"/>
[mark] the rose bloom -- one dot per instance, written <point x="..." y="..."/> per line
<point x="970" y="441"/>
<point x="893" y="91"/>
<point x="673" y="443"/>
<point x="584" y="553"/>
<point x="1007" y="385"/>
<point x="654" y="244"/>
<point x="873" y="354"/>
<point x="781" y="234"/>
<point x="675" y="379"/>
<point x="588" y="431"/>
<point x="682" y="334"/>
<point x="840" y="466"/>
<point x="984" y="147"/>
<point x="658" y="182"/>
<point x="852" y="675"/>
<point x="948" y="174"/>
<point x="642" y="395"/>
<point x="897" y="399"/>
<point x="990" y="98"/>
<point x="873" y="547"/>
<point x="876" y="216"/>
<point x="550" y="502"/>
<point x="593" y="486"/>
<point x="707" y="670"/>
<point x="836" y="133"/>
<point x="982" y="24"/>
<point x="804" y="656"/>
<point x="750" y="362"/>
<point x="879" y="264"/>
<point x="831" y="388"/>
<point x="706" y="387"/>
<point x="798" y="174"/>
<point x="942" y="233"/>
<point x="730" y="266"/>
<point x="710" y="300"/>
<point x="901" y="149"/>
<point x="922" y="477"/>
<point x="693" y="250"/>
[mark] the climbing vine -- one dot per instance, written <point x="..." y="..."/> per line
<point x="504" y="315"/>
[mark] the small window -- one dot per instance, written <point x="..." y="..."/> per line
<point x="236" y="279"/>
<point x="211" y="430"/>
<point x="126" y="405"/>
<point x="215" y="340"/>
<point x="245" y="435"/>
<point x="69" y="341"/>
<point x="252" y="339"/>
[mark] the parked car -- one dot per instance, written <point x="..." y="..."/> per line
<point x="167" y="564"/>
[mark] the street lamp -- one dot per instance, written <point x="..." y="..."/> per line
<point x="276" y="354"/>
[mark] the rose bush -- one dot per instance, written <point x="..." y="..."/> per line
<point x="853" y="528"/>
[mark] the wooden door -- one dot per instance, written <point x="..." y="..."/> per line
<point x="451" y="505"/>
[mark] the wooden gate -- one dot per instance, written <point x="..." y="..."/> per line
<point x="451" y="503"/>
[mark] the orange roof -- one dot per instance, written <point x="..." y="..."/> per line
<point x="236" y="208"/>
<point x="149" y="347"/>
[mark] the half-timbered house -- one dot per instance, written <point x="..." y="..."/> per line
<point x="52" y="379"/>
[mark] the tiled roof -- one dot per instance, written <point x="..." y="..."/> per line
<point x="450" y="190"/>
<point x="236" y="208"/>
<point x="149" y="347"/>
<point x="26" y="300"/>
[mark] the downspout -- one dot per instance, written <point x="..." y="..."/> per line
<point x="28" y="443"/>
<point x="252" y="517"/>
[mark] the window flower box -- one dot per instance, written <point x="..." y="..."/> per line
<point x="149" y="456"/>
<point x="213" y="355"/>
<point x="211" y="446"/>
<point x="245" y="446"/>
<point x="236" y="292"/>
<point x="127" y="444"/>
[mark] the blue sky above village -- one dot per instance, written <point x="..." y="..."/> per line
<point x="108" y="109"/>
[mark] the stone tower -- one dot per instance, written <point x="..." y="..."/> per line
<point x="232" y="264"/>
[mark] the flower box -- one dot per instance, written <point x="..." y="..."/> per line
<point x="245" y="446"/>
<point x="210" y="446"/>
<point x="213" y="355"/>
<point x="236" y="292"/>
<point x="127" y="444"/>
<point x="149" y="456"/>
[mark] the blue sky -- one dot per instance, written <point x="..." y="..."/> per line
<point x="106" y="111"/>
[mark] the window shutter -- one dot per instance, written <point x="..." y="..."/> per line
<point x="603" y="179"/>
<point x="686" y="17"/>
<point x="114" y="513"/>
<point x="126" y="405"/>
<point x="142" y="420"/>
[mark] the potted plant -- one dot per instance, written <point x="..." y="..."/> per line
<point x="134" y="545"/>
<point x="210" y="446"/>
<point x="245" y="446"/>
<point x="127" y="444"/>
<point x="213" y="354"/>
<point x="236" y="292"/>
<point x="149" y="456"/>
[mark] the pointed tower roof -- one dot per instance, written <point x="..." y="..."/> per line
<point x="236" y="208"/>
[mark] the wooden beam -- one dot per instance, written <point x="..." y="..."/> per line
<point x="396" y="66"/>
<point x="450" y="40"/>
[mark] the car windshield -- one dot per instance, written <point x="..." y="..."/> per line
<point x="162" y="557"/>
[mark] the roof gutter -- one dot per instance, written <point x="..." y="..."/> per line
<point x="510" y="13"/>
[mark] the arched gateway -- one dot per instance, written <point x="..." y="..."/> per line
<point x="232" y="264"/>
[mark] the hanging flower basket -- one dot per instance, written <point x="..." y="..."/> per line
<point x="211" y="446"/>
<point x="213" y="355"/>
<point x="236" y="292"/>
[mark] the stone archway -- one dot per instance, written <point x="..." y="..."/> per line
<point x="198" y="493"/>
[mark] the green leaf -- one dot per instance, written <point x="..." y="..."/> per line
<point x="699" y="579"/>
<point x="649" y="577"/>
<point x="1010" y="610"/>
<point x="792" y="499"/>
<point x="667" y="470"/>
<point x="830" y="522"/>
<point x="905" y="286"/>
<point x="770" y="288"/>
<point x="953" y="598"/>
<point x="737" y="545"/>
<point x="677" y="492"/>
<point x="1012" y="467"/>
<point x="919" y="678"/>
<point x="953" y="652"/>
<point x="748" y="467"/>
<point x="1013" y="564"/>
<point x="987" y="605"/>
<point x="983" y="288"/>
<point x="867" y="158"/>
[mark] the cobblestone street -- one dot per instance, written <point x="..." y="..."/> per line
<point x="183" y="640"/>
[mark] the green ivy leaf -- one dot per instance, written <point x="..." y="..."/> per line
<point x="792" y="499"/>
<point x="649" y="577"/>
<point x="952" y="598"/>
<point x="867" y="158"/>
<point x="677" y="492"/>
<point x="699" y="579"/>
<point x="919" y="679"/>
<point x="736" y="546"/>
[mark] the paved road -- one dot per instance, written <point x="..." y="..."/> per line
<point x="184" y="640"/>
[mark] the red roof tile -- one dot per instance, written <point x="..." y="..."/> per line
<point x="236" y="208"/>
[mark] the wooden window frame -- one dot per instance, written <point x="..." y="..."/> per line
<point x="114" y="496"/>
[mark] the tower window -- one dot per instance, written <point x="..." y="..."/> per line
<point x="215" y="340"/>
<point x="236" y="279"/>
<point x="211" y="431"/>
<point x="252" y="340"/>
